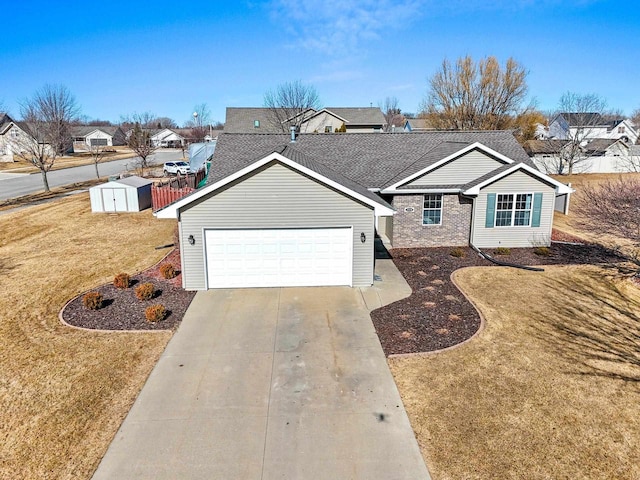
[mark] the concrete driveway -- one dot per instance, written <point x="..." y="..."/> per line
<point x="286" y="383"/>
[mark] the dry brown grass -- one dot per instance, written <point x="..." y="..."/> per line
<point x="550" y="388"/>
<point x="77" y="160"/>
<point x="64" y="392"/>
<point x="571" y="223"/>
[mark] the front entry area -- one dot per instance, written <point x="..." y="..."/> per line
<point x="284" y="257"/>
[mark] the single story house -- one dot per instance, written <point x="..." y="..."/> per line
<point x="166" y="137"/>
<point x="302" y="211"/>
<point x="325" y="120"/>
<point x="87" y="136"/>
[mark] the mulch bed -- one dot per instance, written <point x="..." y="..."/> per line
<point x="123" y="311"/>
<point x="437" y="315"/>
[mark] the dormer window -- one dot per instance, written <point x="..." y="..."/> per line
<point x="256" y="124"/>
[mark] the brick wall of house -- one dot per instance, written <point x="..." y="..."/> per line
<point x="408" y="230"/>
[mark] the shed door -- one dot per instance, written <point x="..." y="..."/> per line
<point x="114" y="199"/>
<point x="279" y="257"/>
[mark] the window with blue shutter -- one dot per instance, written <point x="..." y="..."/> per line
<point x="537" y="209"/>
<point x="491" y="210"/>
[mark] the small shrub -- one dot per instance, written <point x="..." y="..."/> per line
<point x="167" y="271"/>
<point x="122" y="280"/>
<point x="457" y="252"/>
<point x="92" y="300"/>
<point x="542" y="251"/>
<point x="155" y="313"/>
<point x="145" y="291"/>
<point x="502" y="251"/>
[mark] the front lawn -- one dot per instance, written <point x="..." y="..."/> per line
<point x="64" y="392"/>
<point x="549" y="389"/>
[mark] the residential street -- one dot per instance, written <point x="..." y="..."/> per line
<point x="15" y="185"/>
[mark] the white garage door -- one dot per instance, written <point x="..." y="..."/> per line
<point x="279" y="257"/>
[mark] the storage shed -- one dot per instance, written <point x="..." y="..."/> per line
<point x="130" y="194"/>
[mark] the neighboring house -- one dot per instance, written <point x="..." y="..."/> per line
<point x="586" y="126"/>
<point x="86" y="136"/>
<point x="326" y="120"/>
<point x="299" y="212"/>
<point x="600" y="155"/>
<point x="12" y="134"/>
<point x="167" y="137"/>
<point x="417" y="125"/>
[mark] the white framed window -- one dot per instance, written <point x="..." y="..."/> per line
<point x="432" y="209"/>
<point x="621" y="129"/>
<point x="327" y="129"/>
<point x="513" y="209"/>
<point x="256" y="124"/>
<point x="14" y="132"/>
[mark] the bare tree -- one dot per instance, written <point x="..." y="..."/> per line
<point x="165" y="122"/>
<point x="635" y="118"/>
<point x="200" y="122"/>
<point x="44" y="133"/>
<point x="612" y="208"/>
<point x="575" y="121"/>
<point x="289" y="102"/>
<point x="526" y="124"/>
<point x="392" y="113"/>
<point x="629" y="161"/>
<point x="476" y="96"/>
<point x="144" y="119"/>
<point x="142" y="145"/>
<point x="98" y="154"/>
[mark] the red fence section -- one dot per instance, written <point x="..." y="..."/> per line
<point x="163" y="195"/>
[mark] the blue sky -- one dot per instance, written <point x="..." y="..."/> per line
<point x="165" y="57"/>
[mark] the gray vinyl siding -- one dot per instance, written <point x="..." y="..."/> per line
<point x="275" y="197"/>
<point x="518" y="182"/>
<point x="385" y="227"/>
<point x="459" y="171"/>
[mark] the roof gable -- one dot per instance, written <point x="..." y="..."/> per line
<point x="473" y="188"/>
<point x="297" y="161"/>
<point x="447" y="153"/>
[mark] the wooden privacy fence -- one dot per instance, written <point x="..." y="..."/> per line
<point x="163" y="194"/>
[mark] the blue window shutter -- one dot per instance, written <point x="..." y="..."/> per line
<point x="537" y="209"/>
<point x="491" y="210"/>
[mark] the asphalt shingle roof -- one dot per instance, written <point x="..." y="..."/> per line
<point x="359" y="115"/>
<point x="372" y="160"/>
<point x="241" y="119"/>
<point x="84" y="130"/>
<point x="533" y="147"/>
<point x="306" y="161"/>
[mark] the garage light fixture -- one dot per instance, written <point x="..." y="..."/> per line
<point x="192" y="240"/>
<point x="363" y="237"/>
